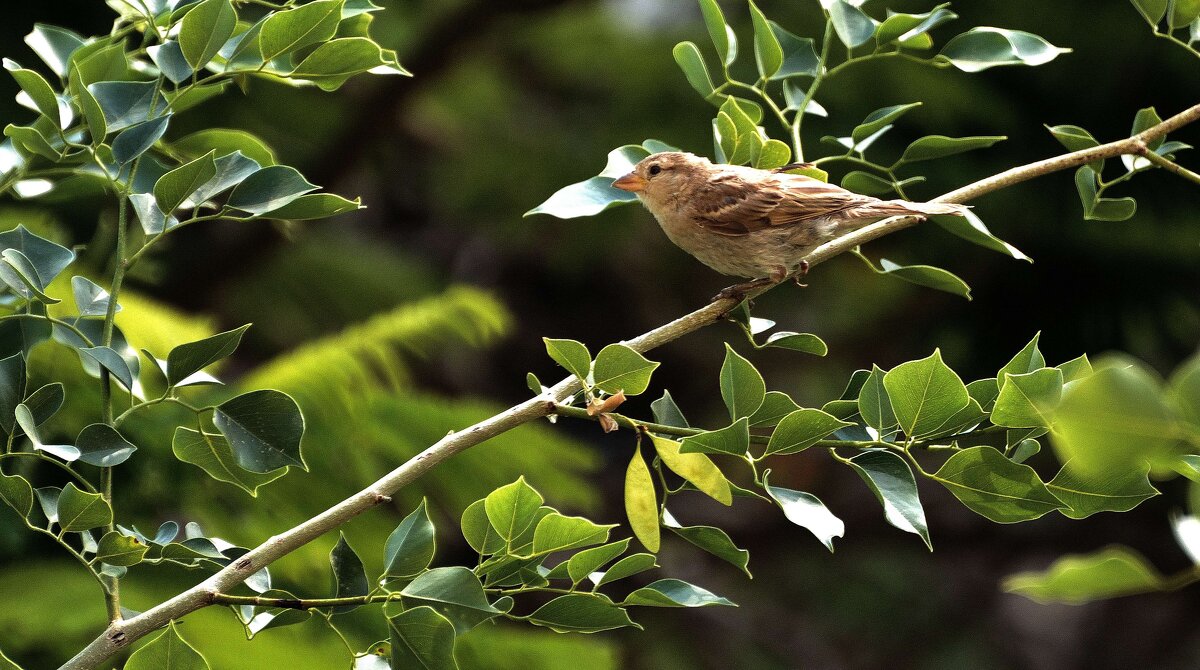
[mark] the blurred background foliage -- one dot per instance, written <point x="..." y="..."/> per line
<point x="514" y="99"/>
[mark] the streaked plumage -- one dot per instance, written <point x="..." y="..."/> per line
<point x="753" y="223"/>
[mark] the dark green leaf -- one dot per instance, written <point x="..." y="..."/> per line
<point x="733" y="439"/>
<point x="316" y="206"/>
<point x="349" y="576"/>
<point x="879" y="118"/>
<point x="335" y="61"/>
<point x="263" y="428"/>
<point x="16" y="492"/>
<point x="742" y="387"/>
<point x="187" y="359"/>
<point x="800" y="57"/>
<point x="867" y="183"/>
<point x="687" y="56"/>
<point x="854" y="28"/>
<point x="90" y="298"/>
<point x="168" y="651"/>
<point x="38" y="89"/>
<point x="80" y="510"/>
<point x="874" y="403"/>
<point x="891" y="480"/>
<point x="1152" y="10"/>
<point x="454" y="592"/>
<point x="120" y="550"/>
<point x="478" y="531"/>
<point x="588" y="561"/>
<point x="127" y="103"/>
<point x="715" y="541"/>
<point x="269" y="189"/>
<point x="12" y="389"/>
<point x="995" y="487"/>
<point x="581" y="613"/>
<point x="903" y="28"/>
<point x="212" y="453"/>
<point x="933" y="147"/>
<point x="54" y="45"/>
<point x="984" y="47"/>
<point x="776" y="405"/>
<point x="101" y="445"/>
<point x="667" y="412"/>
<point x="925" y="275"/>
<point x="225" y="141"/>
<point x="674" y="593"/>
<point x="627" y="567"/>
<point x="409" y="549"/>
<point x="768" y="54"/>
<point x="169" y="58"/>
<point x="722" y="35"/>
<point x="176" y="186"/>
<point x="421" y="638"/>
<point x="971" y="228"/>
<point x="112" y="361"/>
<point x="48" y="258"/>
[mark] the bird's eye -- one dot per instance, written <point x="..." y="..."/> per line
<point x="654" y="169"/>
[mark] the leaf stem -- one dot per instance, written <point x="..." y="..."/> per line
<point x="62" y="466"/>
<point x="1168" y="164"/>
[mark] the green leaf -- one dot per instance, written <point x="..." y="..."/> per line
<point x="801" y="429"/>
<point x="335" y="61"/>
<point x="205" y="29"/>
<point x="619" y="368"/>
<point x="774" y="154"/>
<point x="1076" y="368"/>
<point x="667" y="412"/>
<point x="293" y="29"/>
<point x="925" y="394"/>
<point x="903" y="28"/>
<point x="892" y="482"/>
<point x="269" y="189"/>
<point x="478" y="531"/>
<point x="674" y="593"/>
<point x="776" y="405"/>
<point x="588" y="561"/>
<point x="48" y="259"/>
<point x="874" y="404"/>
<point x="127" y="103"/>
<point x="972" y="229"/>
<point x="187" y="359"/>
<point x="112" y="361"/>
<point x="28" y="423"/>
<point x="1074" y="138"/>
<point x="1151" y="10"/>
<point x="410" y="547"/>
<point x="316" y="206"/>
<point x="119" y="549"/>
<point x="225" y="141"/>
<point x="1028" y="359"/>
<point x="213" y="454"/>
<point x="263" y="428"/>
<point x="687" y="56"/>
<point x="932" y="147"/>
<point x="1080" y="578"/>
<point x="995" y="487"/>
<point x="641" y="503"/>
<point x="512" y="508"/>
<point x="1114" y="420"/>
<point x="101" y="445"/>
<point x="1025" y="450"/>
<point x="54" y="45"/>
<point x="349" y="576"/>
<point x="421" y="638"/>
<point x="38" y="89"/>
<point x="1184" y="13"/>
<point x="170" y="60"/>
<point x="854" y="28"/>
<point x="627" y="567"/>
<point x="556" y="532"/>
<point x="714" y="541"/>
<point x="867" y="183"/>
<point x="733" y="439"/>
<point x="1183" y="388"/>
<point x="800" y="57"/>
<point x="924" y="275"/>
<point x="1114" y="491"/>
<point x="985" y="47"/>
<point x="80" y="510"/>
<point x="880" y="118"/>
<point x="12" y="389"/>
<point x="16" y="492"/>
<point x="176" y="186"/>
<point x="1028" y="400"/>
<point x="90" y="298"/>
<point x="722" y="35"/>
<point x="45" y="402"/>
<point x="695" y="468"/>
<point x="454" y="592"/>
<point x="768" y="54"/>
<point x="807" y="511"/>
<point x="570" y="354"/>
<point x="168" y="651"/>
<point x="137" y="139"/>
<point x="586" y="198"/>
<point x="742" y="387"/>
<point x="581" y="613"/>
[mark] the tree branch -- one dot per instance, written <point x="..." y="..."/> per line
<point x="120" y="634"/>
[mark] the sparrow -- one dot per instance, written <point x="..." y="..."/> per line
<point x="751" y="223"/>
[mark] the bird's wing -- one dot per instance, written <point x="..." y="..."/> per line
<point x="740" y="202"/>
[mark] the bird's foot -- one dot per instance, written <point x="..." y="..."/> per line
<point x="738" y="292"/>
<point x="801" y="273"/>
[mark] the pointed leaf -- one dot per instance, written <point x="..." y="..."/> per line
<point x="421" y="638"/>
<point x="176" y="186"/>
<point x="212" y="453"/>
<point x="925" y="394"/>
<point x="695" y="468"/>
<point x="641" y="503"/>
<point x="513" y="508"/>
<point x="619" y="368"/>
<point x="187" y="359"/>
<point x="570" y="354"/>
<point x="581" y="613"/>
<point x="801" y="429"/>
<point x="101" y="445"/>
<point x="892" y="482"/>
<point x="807" y="511"/>
<point x="674" y="593"/>
<point x="995" y="487"/>
<point x="168" y="651"/>
<point x="410" y="547"/>
<point x="205" y="29"/>
<point x="263" y="428"/>
<point x="80" y="510"/>
<point x="349" y="576"/>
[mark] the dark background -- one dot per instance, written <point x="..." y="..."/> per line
<point x="514" y="99"/>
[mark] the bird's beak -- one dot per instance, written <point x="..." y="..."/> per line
<point x="632" y="182"/>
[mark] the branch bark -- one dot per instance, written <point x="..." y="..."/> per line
<point x="121" y="634"/>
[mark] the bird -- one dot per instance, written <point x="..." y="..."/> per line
<point x="751" y="223"/>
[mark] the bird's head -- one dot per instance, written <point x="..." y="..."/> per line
<point x="662" y="175"/>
